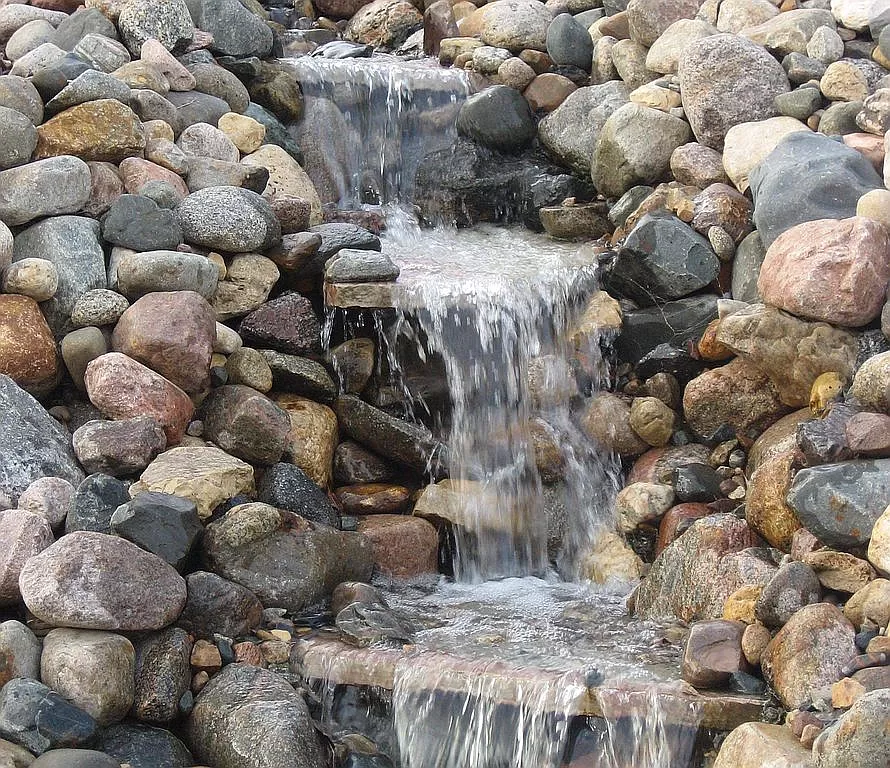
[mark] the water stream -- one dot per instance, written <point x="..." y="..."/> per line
<point x="499" y="671"/>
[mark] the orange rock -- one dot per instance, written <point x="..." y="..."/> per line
<point x="206" y="657"/>
<point x="709" y="348"/>
<point x="548" y="91"/>
<point x="373" y="498"/>
<point x="765" y="507"/>
<point x="27" y="347"/>
<point x="104" y="129"/>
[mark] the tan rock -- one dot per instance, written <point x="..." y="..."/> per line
<point x="839" y="571"/>
<point x="609" y="559"/>
<point x="206" y="475"/>
<point x="652" y="420"/>
<point x="640" y="503"/>
<point x="747" y="144"/>
<point x="879" y="546"/>
<point x="249" y="279"/>
<point x="875" y="205"/>
<point x="607" y="420"/>
<point x="96" y="130"/>
<point x="870" y="604"/>
<point x="755" y="638"/>
<point x="286" y="177"/>
<point x="756" y="745"/>
<point x="790" y="351"/>
<point x="546" y="92"/>
<point x="245" y="132"/>
<point x="739" y="606"/>
<point x="313" y="436"/>
<point x="843" y="81"/>
<point x="765" y="507"/>
<point x="27" y="346"/>
<point x="871" y="384"/>
<point x="780" y="437"/>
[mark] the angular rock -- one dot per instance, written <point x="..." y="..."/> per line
<point x="122" y="388"/>
<point x="19" y="652"/>
<point x="839" y="571"/>
<point x="286" y="324"/>
<point x="118" y="448"/>
<point x="286" y="486"/>
<point x="218" y="606"/>
<point x="284" y="559"/>
<point x="246" y="424"/>
<point x="713" y="653"/>
<point x="136" y="222"/>
<point x="673" y="323"/>
<point x="167" y="526"/>
<point x="162" y="675"/>
<point x="97" y="130"/>
<point x="94" y="502"/>
<point x="95" y="581"/>
<point x="248" y="282"/>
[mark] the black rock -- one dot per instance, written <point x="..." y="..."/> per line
<point x="871" y="343"/>
<point x="218" y="606"/>
<point x="498" y="117"/>
<point x="286" y="486"/>
<point x="62" y="724"/>
<point x="825" y="440"/>
<point x="674" y="322"/>
<point x="163" y="675"/>
<point x="742" y="682"/>
<point x="669" y="359"/>
<point x="136" y="222"/>
<point x="143" y="746"/>
<point x="94" y="503"/>
<point x="354" y="464"/>
<point x="807" y="177"/>
<point x="628" y="203"/>
<point x="568" y="42"/>
<point x="286" y="324"/>
<point x="696" y="482"/>
<point x="165" y="525"/>
<point x="840" y="503"/>
<point x="300" y="376"/>
<point x="662" y="259"/>
<point x="792" y="587"/>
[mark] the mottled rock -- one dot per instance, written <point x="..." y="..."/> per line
<point x="218" y="606"/>
<point x="766" y="510"/>
<point x="166" y="21"/>
<point x="758" y="744"/>
<point x="94" y="502"/>
<point x="48" y="187"/>
<point x="235" y="29"/>
<point x="839" y="571"/>
<point x="287" y="324"/>
<point x="115" y="585"/>
<point x="27" y="347"/>
<point x="19" y="651"/>
<point x="792" y="587"/>
<point x="312" y="438"/>
<point x="142" y="746"/>
<point x="286" y="486"/>
<point x="25" y="534"/>
<point x="228" y="218"/>
<point x="859" y="738"/>
<point x="384" y="23"/>
<point x="516" y="25"/>
<point x="96" y="130"/>
<point x="713" y="653"/>
<point x="607" y="420"/>
<point x="155" y="271"/>
<point x="403" y="546"/>
<point x="246" y="424"/>
<point x="119" y="448"/>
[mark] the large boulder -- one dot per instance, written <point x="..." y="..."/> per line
<point x="830" y="270"/>
<point x="247" y="717"/>
<point x="384" y="23"/>
<point x="284" y="559"/>
<point x="860" y="738"/>
<point x="808" y="177"/>
<point x="516" y="25"/>
<point x="499" y="118"/>
<point x="726" y="80"/>
<point x="754" y="745"/>
<point x="95" y="581"/>
<point x="236" y="30"/>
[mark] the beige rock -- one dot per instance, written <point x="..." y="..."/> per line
<point x="286" y="177"/>
<point x="245" y="132"/>
<point x="610" y="559"/>
<point x="665" y="53"/>
<point x="313" y="436"/>
<point x="206" y="475"/>
<point x="792" y="352"/>
<point x="844" y="81"/>
<point x="875" y="205"/>
<point x="656" y="97"/>
<point x="871" y="384"/>
<point x="789" y="32"/>
<point x="755" y="638"/>
<point x="870" y="604"/>
<point x="652" y="420"/>
<point x="736" y="15"/>
<point x="37" y="279"/>
<point x="247" y="366"/>
<point x="642" y="502"/>
<point x="747" y="144"/>
<point x="511" y="24"/>
<point x="839" y="571"/>
<point x="141" y="75"/>
<point x="757" y="745"/>
<point x="845" y="692"/>
<point x="879" y="546"/>
<point x="607" y="420"/>
<point x="249" y="280"/>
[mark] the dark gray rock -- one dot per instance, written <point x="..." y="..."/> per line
<point x="300" y="376"/>
<point x="393" y="438"/>
<point x="62" y="723"/>
<point x="355" y="464"/>
<point x="287" y="324"/>
<point x="337" y="236"/>
<point x="236" y="31"/>
<point x="118" y="448"/>
<point x="94" y="502"/>
<point x="19" y="138"/>
<point x="840" y="118"/>
<point x="165" y="525"/>
<point x="163" y="675"/>
<point x="825" y="440"/>
<point x="674" y="322"/>
<point x="136" y="222"/>
<point x="356" y="266"/>
<point x="72" y="244"/>
<point x="286" y="486"/>
<point x="840" y="503"/>
<point x="746" y="265"/>
<point x="83" y="22"/>
<point x="808" y="177"/>
<point x="801" y="69"/>
<point x="287" y="561"/>
<point x="498" y="118"/>
<point x="662" y="259"/>
<point x="247" y="717"/>
<point x="229" y="218"/>
<point x="142" y="746"/>
<point x="194" y="107"/>
<point x="628" y="203"/>
<point x="276" y="132"/>
<point x="75" y="758"/>
<point x="568" y="42"/>
<point x="246" y="424"/>
<point x="696" y="482"/>
<point x="32" y="443"/>
<point x="218" y="606"/>
<point x="218" y="81"/>
<point x="792" y="587"/>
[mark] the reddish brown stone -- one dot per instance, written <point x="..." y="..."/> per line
<point x="438" y="23"/>
<point x="403" y="546"/>
<point x="136" y="172"/>
<point x="829" y="270"/>
<point x="722" y="206"/>
<point x="713" y="653"/>
<point x="172" y="333"/>
<point x="868" y="434"/>
<point x="27" y="347"/>
<point x="373" y="499"/>
<point x="548" y="91"/>
<point x="339" y="9"/>
<point x="709" y="348"/>
<point x="105" y="187"/>
<point x="676" y="520"/>
<point x="657" y="464"/>
<point x="249" y="653"/>
<point x="870" y="146"/>
<point x="123" y="388"/>
<point x="206" y="657"/>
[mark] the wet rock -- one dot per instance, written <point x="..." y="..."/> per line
<point x="118" y="448"/>
<point x="757" y="744"/>
<point x="353" y="363"/>
<point x="672" y="324"/>
<point x="498" y="117"/>
<point x="225" y="723"/>
<point x="117" y="585"/>
<point x="403" y="546"/>
<point x="301" y="562"/>
<point x="218" y="606"/>
<point x="713" y="653"/>
<point x="684" y="580"/>
<point x="236" y="30"/>
<point x="25" y="534"/>
<point x="715" y="95"/>
<point x="829" y="178"/>
<point x="93" y="670"/>
<point x="792" y="352"/>
<point x="246" y="424"/>
<point x="122" y="388"/>
<point x="286" y="486"/>
<point x="808" y="653"/>
<point x="167" y="526"/>
<point x="662" y="259"/>
<point x="854" y="492"/>
<point x="27" y="347"/>
<point x="32" y="443"/>
<point x="141" y="746"/>
<point x="607" y="420"/>
<point x="353" y="266"/>
<point x="384" y="23"/>
<point x="859" y="738"/>
<point x="162" y="675"/>
<point x="516" y="25"/>
<point x="300" y="376"/>
<point x="72" y="244"/>
<point x="642" y="503"/>
<point x="353" y="463"/>
<point x="792" y="587"/>
<point x="312" y="438"/>
<point x="19" y="652"/>
<point x="287" y="324"/>
<point x="205" y="475"/>
<point x="824" y="440"/>
<point x="696" y="483"/>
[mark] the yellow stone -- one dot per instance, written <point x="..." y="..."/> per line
<point x="246" y="133"/>
<point x="312" y="437"/>
<point x="826" y="389"/>
<point x="103" y="130"/>
<point x="739" y="606"/>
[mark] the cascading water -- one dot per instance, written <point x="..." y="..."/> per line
<point x="500" y="675"/>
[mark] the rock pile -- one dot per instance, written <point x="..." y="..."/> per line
<point x="184" y="469"/>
